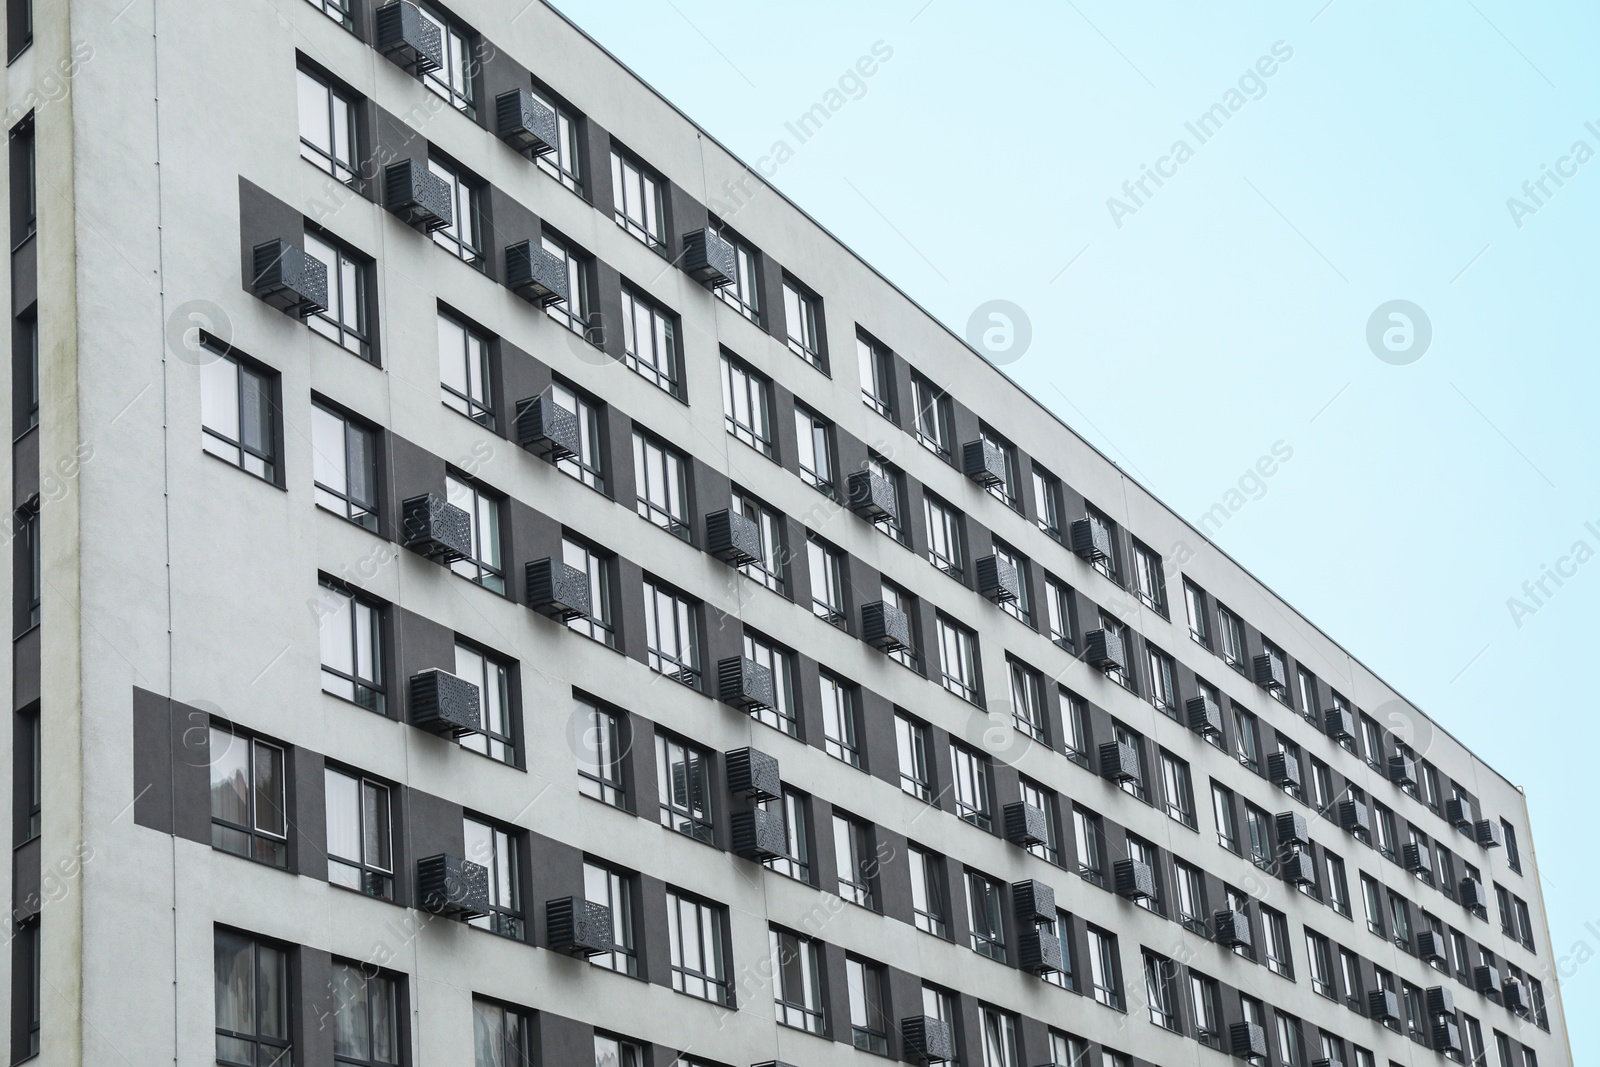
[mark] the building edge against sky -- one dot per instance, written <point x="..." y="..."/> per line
<point x="351" y="715"/>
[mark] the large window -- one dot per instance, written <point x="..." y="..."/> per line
<point x="501" y="1036"/>
<point x="352" y="646"/>
<point x="27" y="984"/>
<point x="1037" y="795"/>
<point x="572" y="312"/>
<point x="588" y="465"/>
<point x="327" y="127"/>
<point x="494" y="848"/>
<point x="1191" y="887"/>
<point x="1232" y="631"/>
<point x="944" y="536"/>
<point x="970" y="785"/>
<point x="661" y="480"/>
<point x="1009" y="489"/>
<point x="492" y="676"/>
<point x="600" y="749"/>
<point x="747" y="404"/>
<point x="683" y="774"/>
<point x="344" y="466"/>
<point x="465" y="375"/>
<point x="614" y="890"/>
<point x="911" y="741"/>
<point x="815" y="459"/>
<point x="1058" y="612"/>
<point x="454" y="81"/>
<point x="1020" y="607"/>
<point x="904" y="602"/>
<point x="877" y="376"/>
<point x="826" y="567"/>
<point x="238" y="414"/>
<point x="797" y="981"/>
<point x="958" y="658"/>
<point x="1074" y="726"/>
<point x="1163" y="681"/>
<point x="1047" y="502"/>
<point x="366" y="1024"/>
<point x="894" y="523"/>
<point x="1319" y="962"/>
<point x="252" y="1002"/>
<point x="1149" y="579"/>
<point x="933" y="416"/>
<point x="839" y="719"/>
<point x="928" y="905"/>
<point x="782" y="715"/>
<point x="1088" y="833"/>
<point x="337" y="10"/>
<point x="744" y="295"/>
<point x="999" y="1037"/>
<point x="1275" y="927"/>
<point x="1105" y="971"/>
<point x="694" y="932"/>
<point x="638" y="200"/>
<point x="802" y="322"/>
<point x="768" y="569"/>
<point x="986" y="899"/>
<point x="796" y="859"/>
<point x="247" y="798"/>
<point x="649" y="342"/>
<point x="463" y="237"/>
<point x="346" y="321"/>
<point x="869" y="1020"/>
<point x="672" y="634"/>
<point x="1027" y="701"/>
<point x="483" y="566"/>
<point x="854" y="860"/>
<point x="1179" y="789"/>
<point x="360" y="845"/>
<point x="600" y="572"/>
<point x="615" y="1052"/>
<point x="1161" y="989"/>
<point x="565" y="164"/>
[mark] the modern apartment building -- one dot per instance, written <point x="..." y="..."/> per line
<point x="495" y="583"/>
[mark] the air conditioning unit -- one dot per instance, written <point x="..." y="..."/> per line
<point x="1205" y="718"/>
<point x="1231" y="929"/>
<point x="524" y="122"/>
<point x="1104" y="651"/>
<point x="1486" y="980"/>
<point x="733" y="538"/>
<point x="1471" y="894"/>
<point x="924" y="1039"/>
<point x="1487" y="833"/>
<point x="1441" y="1000"/>
<point x="1446" y="1035"/>
<point x="409" y="41"/>
<point x="1430" y="947"/>
<point x="1033" y="902"/>
<point x="872" y="496"/>
<point x="1134" y="879"/>
<point x="1268" y="673"/>
<point x="547" y="429"/>
<point x="1291" y="827"/>
<point x="1354" y="816"/>
<point x="758" y="834"/>
<point x="1283" y="770"/>
<point x="1403" y="770"/>
<point x="1514" y="995"/>
<point x="1248" y="1040"/>
<point x="578" y="927"/>
<point x="1025" y="824"/>
<point x="1383" y="1005"/>
<point x="556" y="589"/>
<point x="1458" y="812"/>
<point x="1119" y="762"/>
<point x="436" y="528"/>
<point x="1416" y="858"/>
<point x="1039" y="949"/>
<point x="1339" y="724"/>
<point x="1090" y="539"/>
<point x="443" y="704"/>
<point x="450" y="885"/>
<point x="885" y="627"/>
<point x="1298" y="869"/>
<point x="998" y="580"/>
<point x="745" y="684"/>
<point x="754" y="774"/>
<point x="983" y="462"/>
<point x="539" y="277"/>
<point x="709" y="259"/>
<point x="417" y="196"/>
<point x="288" y="279"/>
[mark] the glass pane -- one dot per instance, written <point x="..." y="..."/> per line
<point x="375" y="800"/>
<point x="336" y="629"/>
<point x="344" y="816"/>
<point x="313" y="111"/>
<point x="271" y="990"/>
<point x="269" y="789"/>
<point x="327" y="449"/>
<point x="219" y="397"/>
<point x="235" y="983"/>
<point x="352" y="1022"/>
<point x="230" y="782"/>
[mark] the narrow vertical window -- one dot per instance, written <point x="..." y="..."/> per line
<point x="344" y="466"/>
<point x="360" y="846"/>
<point x="465" y="376"/>
<point x="247" y="798"/>
<point x="252" y="1002"/>
<point x="238" y="414"/>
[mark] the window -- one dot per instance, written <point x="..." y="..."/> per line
<point x="1276" y="930"/>
<point x="252" y="1001"/>
<point x="1416" y="1020"/>
<point x="1292" y="750"/>
<point x="869" y="1023"/>
<point x="1104" y="971"/>
<point x="24" y="150"/>
<point x="747" y="405"/>
<point x="1206" y="998"/>
<point x="958" y="659"/>
<point x="247" y="797"/>
<point x="28" y="764"/>
<point x="1246" y="739"/>
<point x="896" y="597"/>
<point x="1307" y="686"/>
<point x="454" y="80"/>
<point x="1238" y="902"/>
<point x="768" y="569"/>
<point x="360" y="850"/>
<point x="1027" y="701"/>
<point x="649" y="342"/>
<point x="1321" y="786"/>
<point x="891" y="524"/>
<point x="1338" y="887"/>
<point x="944" y="536"/>
<point x="1372" y="743"/>
<point x="783" y="714"/>
<point x="1033" y="793"/>
<point x="1372" y="904"/>
<point x="927" y="892"/>
<point x="27" y="385"/>
<point x="999" y="1037"/>
<point x="614" y="890"/>
<point x="565" y="164"/>
<point x="1047" y="502"/>
<point x="587" y="466"/>
<point x="1524" y="923"/>
<point x="601" y="574"/>
<point x="877" y="376"/>
<point x="970" y="785"/>
<point x="1142" y="852"/>
<point x="1541" y="1015"/>
<point x="1074" y="724"/>
<point x="238" y="414"/>
<point x="494" y="848"/>
<point x="344" y="466"/>
<point x="1112" y="625"/>
<point x="1194" y="605"/>
<point x="1161" y="988"/>
<point x="1291" y="1043"/>
<point x="1163" y="687"/>
<point x="796" y="861"/>
<point x="797" y="981"/>
<point x="1383" y="822"/>
<point x="1350" y="972"/>
<point x="465" y="374"/>
<point x="366" y="1017"/>
<point x="672" y="634"/>
<point x="615" y="1052"/>
<point x="661" y="479"/>
<point x="463" y="237"/>
<point x="1018" y="608"/>
<point x="1319" y="961"/>
<point x="1061" y="930"/>
<point x="501" y="1036"/>
<point x="483" y="566"/>
<point x="1149" y="579"/>
<point x="815" y="458"/>
<point x="1191" y="885"/>
<point x="1179" y="789"/>
<point x="352" y="646"/>
<point x="854" y="860"/>
<point x="1067" y="1050"/>
<point x="839" y="719"/>
<point x="337" y="10"/>
<point x="683" y="774"/>
<point x="574" y="311"/>
<point x="1009" y="490"/>
<point x="345" y="322"/>
<point x="1232" y="637"/>
<point x="694" y="929"/>
<point x="492" y="676"/>
<point x="327" y="127"/>
<point x="1139" y="787"/>
<point x="985" y="895"/>
<point x="911" y="740"/>
<point x="744" y="295"/>
<point x="638" y="200"/>
<point x="826" y="566"/>
<point x="1259" y="824"/>
<point x="600" y="749"/>
<point x="1089" y="836"/>
<point x="802" y="315"/>
<point x="1509" y="835"/>
<point x="1058" y="612"/>
<point x="1222" y="810"/>
<point x="1472" y="1035"/>
<point x="933" y="416"/>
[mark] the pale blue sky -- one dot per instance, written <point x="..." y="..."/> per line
<point x="1229" y="311"/>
